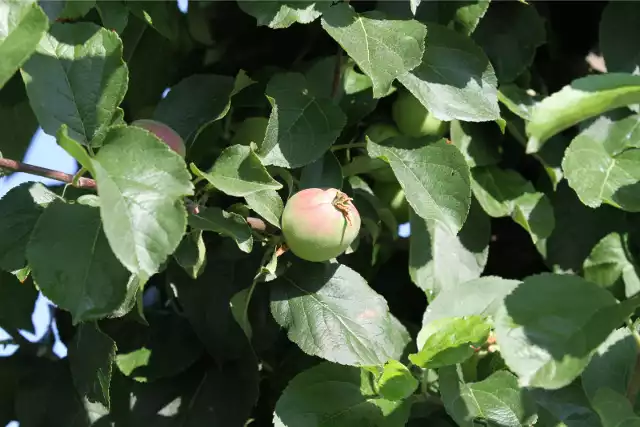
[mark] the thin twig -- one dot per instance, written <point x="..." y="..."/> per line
<point x="15" y="166"/>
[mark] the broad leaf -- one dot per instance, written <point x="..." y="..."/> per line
<point x="618" y="29"/>
<point x="346" y="400"/>
<point x="578" y="229"/>
<point x="479" y="297"/>
<point x="584" y="98"/>
<point x="141" y="183"/>
<point x="396" y="381"/>
<point x="73" y="264"/>
<point x="195" y="102"/>
<point x="22" y="25"/>
<point x="433" y="174"/>
<point x="165" y="348"/>
<point x="506" y="193"/>
<point x="496" y="400"/>
<point x="602" y="164"/>
<point x="478" y="142"/>
<point x="20" y="209"/>
<point x="239" y="172"/>
<point x="17" y="121"/>
<point x="567" y="406"/>
<point x="267" y="204"/>
<point x="282" y="13"/>
<point x="455" y="79"/>
<point x="16" y="303"/>
<point x="383" y="49"/>
<point x="77" y="77"/>
<point x="91" y="355"/>
<point x="191" y="254"/>
<point x="510" y="34"/>
<point x="547" y="342"/>
<point x="612" y="266"/>
<point x="225" y="223"/>
<point x="614" y="409"/>
<point x="612" y="364"/>
<point x="329" y="311"/>
<point x="297" y="116"/>
<point x="160" y="15"/>
<point x="449" y="341"/>
<point x="439" y="259"/>
<point x="326" y="172"/>
<point x="114" y="15"/>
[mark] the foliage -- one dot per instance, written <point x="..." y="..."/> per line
<point x="504" y="133"/>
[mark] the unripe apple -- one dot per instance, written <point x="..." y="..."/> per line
<point x="251" y="130"/>
<point x="319" y="224"/>
<point x="165" y="133"/>
<point x="392" y="194"/>
<point x="413" y="119"/>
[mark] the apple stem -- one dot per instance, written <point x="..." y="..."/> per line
<point x="341" y="203"/>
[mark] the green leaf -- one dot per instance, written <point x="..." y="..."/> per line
<point x="73" y="10"/>
<point x="22" y="25"/>
<point x="433" y="174"/>
<point x="547" y="342"/>
<point x="519" y="101"/>
<point x="510" y="34"/>
<point x="439" y="259"/>
<point x="478" y="142"/>
<point x="478" y="297"/>
<point x="612" y="266"/>
<point x="194" y="103"/>
<point x="449" y="341"/>
<point x="326" y="172"/>
<point x="268" y="204"/>
<point x="282" y="13"/>
<point x="296" y="116"/>
<point x="612" y="364"/>
<point x="463" y="16"/>
<point x="114" y="15"/>
<point x="506" y="193"/>
<point x="77" y="77"/>
<point x="74" y="148"/>
<point x="618" y="29"/>
<point x="396" y="382"/>
<point x="238" y="172"/>
<point x="17" y="121"/>
<point x="578" y="229"/>
<point x="141" y="183"/>
<point x="72" y="263"/>
<point x="346" y="400"/>
<point x="91" y="355"/>
<point x="192" y="253"/>
<point x="20" y="209"/>
<point x="614" y="409"/>
<point x="16" y="303"/>
<point x="165" y="348"/>
<point x="383" y="49"/>
<point x="602" y="164"/>
<point x="329" y="311"/>
<point x="161" y="15"/>
<point x="225" y="223"/>
<point x="496" y="400"/>
<point x="580" y="100"/>
<point x="455" y="79"/>
<point x="568" y="406"/>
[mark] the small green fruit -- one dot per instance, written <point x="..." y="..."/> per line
<point x="319" y="224"/>
<point x="165" y="133"/>
<point x="414" y="120"/>
<point x="251" y="130"/>
<point x="392" y="194"/>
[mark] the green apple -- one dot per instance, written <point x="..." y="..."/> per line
<point x="392" y="194"/>
<point x="413" y="119"/>
<point x="251" y="130"/>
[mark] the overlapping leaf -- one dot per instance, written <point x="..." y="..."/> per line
<point x="282" y="13"/>
<point x="228" y="224"/>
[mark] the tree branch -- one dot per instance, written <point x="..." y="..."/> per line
<point x="15" y="166"/>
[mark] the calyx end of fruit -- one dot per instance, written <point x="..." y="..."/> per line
<point x="341" y="202"/>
